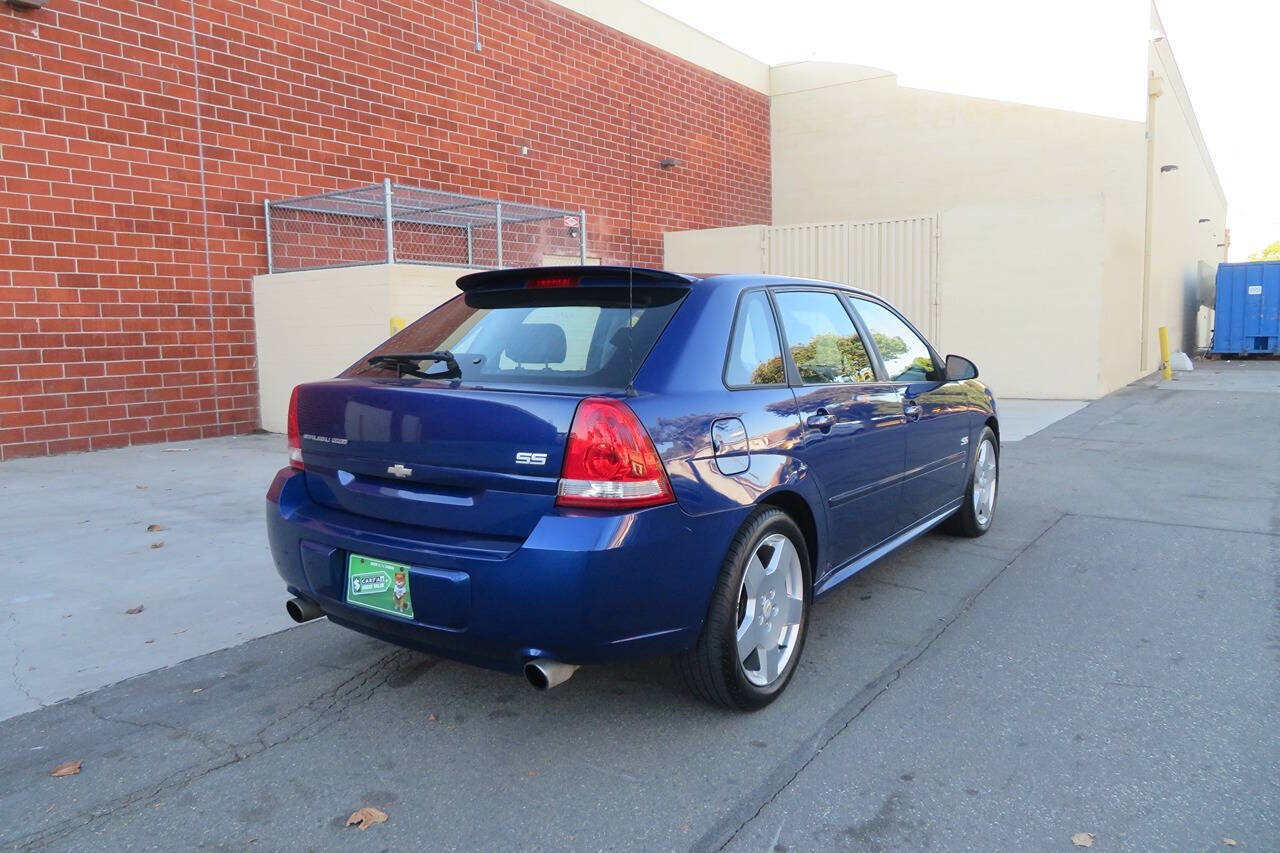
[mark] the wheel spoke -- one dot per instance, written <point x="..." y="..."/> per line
<point x="748" y="638"/>
<point x="784" y="554"/>
<point x="770" y="657"/>
<point x="754" y="576"/>
<point x="790" y="610"/>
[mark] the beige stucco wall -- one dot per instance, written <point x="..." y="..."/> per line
<point x="313" y="324"/>
<point x="1011" y="183"/>
<point x="1120" y="306"/>
<point x="1180" y="242"/>
<point x="871" y="149"/>
<point x="738" y="249"/>
<point x="1027" y="316"/>
<point x="999" y="322"/>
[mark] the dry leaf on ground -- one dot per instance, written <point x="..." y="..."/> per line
<point x="1230" y="842"/>
<point x="366" y="817"/>
<point x="1082" y="839"/>
<point x="66" y="768"/>
<point x="154" y="528"/>
<point x="157" y="544"/>
<point x="134" y="611"/>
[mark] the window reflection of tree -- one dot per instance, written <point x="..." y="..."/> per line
<point x="827" y="357"/>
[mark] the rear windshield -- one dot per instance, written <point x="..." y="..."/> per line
<point x="582" y="336"/>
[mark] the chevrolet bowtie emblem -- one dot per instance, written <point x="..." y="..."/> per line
<point x="398" y="470"/>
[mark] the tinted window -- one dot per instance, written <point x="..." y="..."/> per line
<point x="906" y="357"/>
<point x="585" y="336"/>
<point x="755" y="356"/>
<point x="824" y="343"/>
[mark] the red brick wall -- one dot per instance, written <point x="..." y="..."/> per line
<point x="138" y="141"/>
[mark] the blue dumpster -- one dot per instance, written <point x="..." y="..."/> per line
<point x="1247" y="309"/>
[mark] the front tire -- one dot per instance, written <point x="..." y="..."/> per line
<point x="974" y="516"/>
<point x="759" y="614"/>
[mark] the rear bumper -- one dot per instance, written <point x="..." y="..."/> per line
<point x="584" y="587"/>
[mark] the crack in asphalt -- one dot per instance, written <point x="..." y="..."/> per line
<point x="838" y="723"/>
<point x="324" y="710"/>
<point x="1178" y="524"/>
<point x="209" y="742"/>
<point x="18" y="650"/>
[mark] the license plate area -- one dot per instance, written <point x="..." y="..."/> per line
<point x="378" y="585"/>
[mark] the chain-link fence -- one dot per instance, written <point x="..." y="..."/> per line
<point x="394" y="223"/>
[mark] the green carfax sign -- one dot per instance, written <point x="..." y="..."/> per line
<point x="379" y="585"/>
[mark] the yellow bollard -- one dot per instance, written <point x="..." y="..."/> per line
<point x="1166" y="369"/>
<point x="397" y="323"/>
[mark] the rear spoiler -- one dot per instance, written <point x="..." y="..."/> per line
<point x="576" y="276"/>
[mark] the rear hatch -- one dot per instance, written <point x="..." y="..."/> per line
<point x="472" y="445"/>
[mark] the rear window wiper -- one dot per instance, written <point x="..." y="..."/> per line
<point x="409" y="363"/>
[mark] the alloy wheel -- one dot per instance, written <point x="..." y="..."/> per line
<point x="984" y="483"/>
<point x="770" y="610"/>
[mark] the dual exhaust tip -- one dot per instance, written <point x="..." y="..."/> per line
<point x="542" y="673"/>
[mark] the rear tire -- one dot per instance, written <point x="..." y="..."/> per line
<point x="754" y="633"/>
<point x="976" y="513"/>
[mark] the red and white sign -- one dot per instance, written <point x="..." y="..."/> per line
<point x="571" y="222"/>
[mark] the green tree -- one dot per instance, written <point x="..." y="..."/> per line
<point x="1269" y="252"/>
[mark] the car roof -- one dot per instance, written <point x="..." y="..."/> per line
<point x="744" y="280"/>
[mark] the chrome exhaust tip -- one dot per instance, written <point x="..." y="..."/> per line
<point x="543" y="674"/>
<point x="302" y="609"/>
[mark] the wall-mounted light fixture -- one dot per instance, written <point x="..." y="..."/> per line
<point x="1169" y="168"/>
<point x="668" y="163"/>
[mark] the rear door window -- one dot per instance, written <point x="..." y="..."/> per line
<point x="755" y="356"/>
<point x="824" y="343"/>
<point x="905" y="355"/>
<point x="584" y="336"/>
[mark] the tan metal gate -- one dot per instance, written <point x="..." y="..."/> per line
<point x="895" y="258"/>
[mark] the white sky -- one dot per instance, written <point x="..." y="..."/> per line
<point x="1075" y="55"/>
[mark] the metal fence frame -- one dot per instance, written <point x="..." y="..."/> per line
<point x="390" y="203"/>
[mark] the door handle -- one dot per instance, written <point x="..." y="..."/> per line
<point x="823" y="420"/>
<point x="912" y="411"/>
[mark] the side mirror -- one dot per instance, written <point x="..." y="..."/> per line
<point x="959" y="367"/>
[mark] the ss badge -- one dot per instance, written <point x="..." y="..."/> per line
<point x="526" y="458"/>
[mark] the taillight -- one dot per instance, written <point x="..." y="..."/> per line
<point x="610" y="462"/>
<point x="295" y="437"/>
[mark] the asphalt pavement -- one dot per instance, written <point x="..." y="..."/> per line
<point x="1106" y="660"/>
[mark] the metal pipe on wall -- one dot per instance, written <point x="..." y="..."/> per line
<point x="386" y="201"/>
<point x="266" y="212"/>
<point x="498" y="229"/>
<point x="1154" y="90"/>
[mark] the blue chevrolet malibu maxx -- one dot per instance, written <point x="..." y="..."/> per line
<point x="575" y="465"/>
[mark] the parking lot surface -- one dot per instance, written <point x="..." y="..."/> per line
<point x="177" y="529"/>
<point x="1104" y="661"/>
